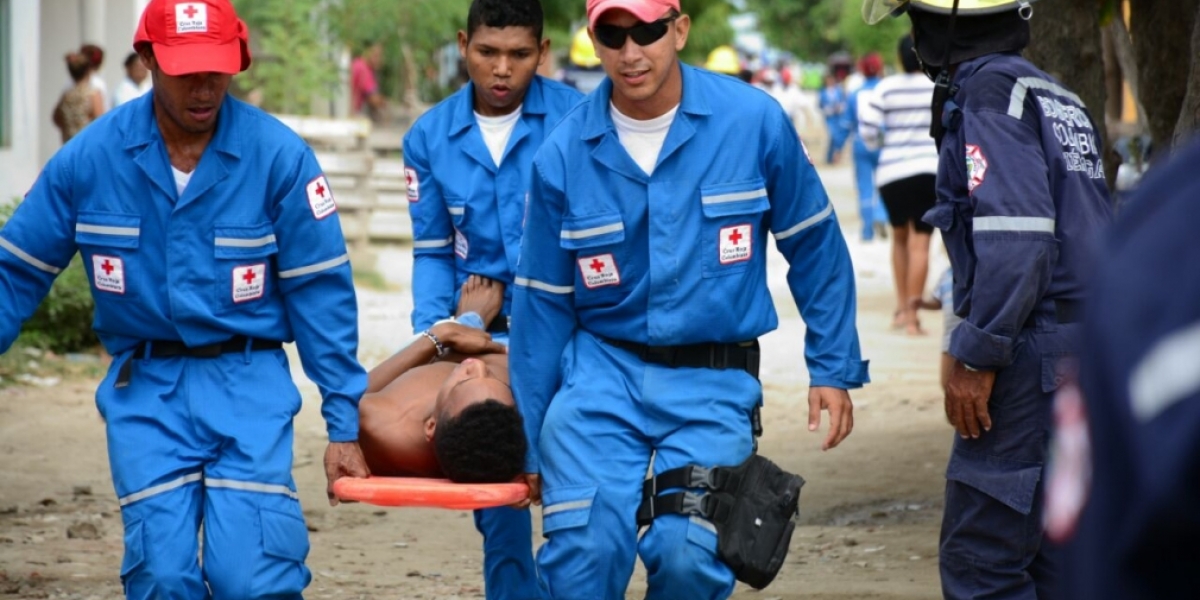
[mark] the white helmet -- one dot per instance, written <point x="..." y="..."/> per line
<point x="875" y="11"/>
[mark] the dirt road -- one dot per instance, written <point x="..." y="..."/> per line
<point x="870" y="510"/>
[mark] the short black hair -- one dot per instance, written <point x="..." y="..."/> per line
<point x="485" y="443"/>
<point x="132" y="58"/>
<point x="908" y="55"/>
<point x="505" y="13"/>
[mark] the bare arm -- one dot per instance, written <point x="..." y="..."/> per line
<point x="421" y="351"/>
<point x="97" y="102"/>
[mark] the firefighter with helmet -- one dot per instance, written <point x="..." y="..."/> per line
<point x="1021" y="197"/>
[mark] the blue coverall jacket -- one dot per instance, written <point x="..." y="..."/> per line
<point x="468" y="213"/>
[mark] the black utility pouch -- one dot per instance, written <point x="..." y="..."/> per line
<point x="753" y="506"/>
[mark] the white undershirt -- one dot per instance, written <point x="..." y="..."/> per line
<point x="497" y="130"/>
<point x="643" y="140"/>
<point x="181" y="180"/>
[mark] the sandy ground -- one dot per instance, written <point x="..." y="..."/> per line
<point x="870" y="510"/>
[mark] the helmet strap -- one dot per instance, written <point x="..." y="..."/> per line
<point x="941" y="84"/>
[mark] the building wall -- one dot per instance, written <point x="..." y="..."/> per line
<point x="19" y="164"/>
<point x="67" y="24"/>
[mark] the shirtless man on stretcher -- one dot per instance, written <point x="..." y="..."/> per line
<point x="451" y="416"/>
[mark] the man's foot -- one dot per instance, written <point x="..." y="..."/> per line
<point x="482" y="296"/>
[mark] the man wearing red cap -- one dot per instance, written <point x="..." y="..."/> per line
<point x="210" y="238"/>
<point x="640" y="293"/>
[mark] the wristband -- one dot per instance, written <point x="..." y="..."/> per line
<point x="437" y="344"/>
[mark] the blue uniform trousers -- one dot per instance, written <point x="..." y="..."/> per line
<point x="992" y="545"/>
<point x="207" y="441"/>
<point x="508" y="569"/>
<point x="611" y="414"/>
<point x="870" y="207"/>
<point x="837" y="137"/>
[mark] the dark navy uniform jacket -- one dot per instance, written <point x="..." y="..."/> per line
<point x="1021" y="196"/>
<point x="1140" y="378"/>
<point x="252" y="247"/>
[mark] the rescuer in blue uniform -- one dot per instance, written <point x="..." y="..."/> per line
<point x="1021" y="198"/>
<point x="467" y="162"/>
<point x="1134" y="432"/>
<point x="210" y="237"/>
<point x="641" y="289"/>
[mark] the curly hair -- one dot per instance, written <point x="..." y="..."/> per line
<point x="505" y="13"/>
<point x="485" y="443"/>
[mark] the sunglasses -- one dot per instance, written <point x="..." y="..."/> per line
<point x="643" y="34"/>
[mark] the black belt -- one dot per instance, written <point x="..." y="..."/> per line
<point x="172" y="348"/>
<point x="1068" y="311"/>
<point x="740" y="355"/>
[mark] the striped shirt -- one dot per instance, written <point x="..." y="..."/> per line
<point x="899" y="113"/>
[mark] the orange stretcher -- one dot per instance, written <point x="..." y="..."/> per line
<point x="430" y="493"/>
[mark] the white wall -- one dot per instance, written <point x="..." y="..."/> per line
<point x="19" y="164"/>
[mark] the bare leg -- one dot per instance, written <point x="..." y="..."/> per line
<point x="918" y="271"/>
<point x="900" y="275"/>
<point x="482" y="296"/>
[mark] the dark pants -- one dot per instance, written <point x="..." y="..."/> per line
<point x="992" y="546"/>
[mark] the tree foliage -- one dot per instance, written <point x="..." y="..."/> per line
<point x="814" y="29"/>
<point x="293" y="61"/>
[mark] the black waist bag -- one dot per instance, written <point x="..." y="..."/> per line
<point x="753" y="505"/>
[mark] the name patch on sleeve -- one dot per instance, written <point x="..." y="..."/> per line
<point x="320" y="198"/>
<point x="413" y="184"/>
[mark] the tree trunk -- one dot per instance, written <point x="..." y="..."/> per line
<point x="1065" y="42"/>
<point x="1189" y="116"/>
<point x="1123" y="49"/>
<point x="1114" y="103"/>
<point x="1162" y="33"/>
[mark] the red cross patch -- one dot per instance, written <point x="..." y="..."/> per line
<point x="736" y="245"/>
<point x="412" y="184"/>
<point x="108" y="273"/>
<point x="599" y="271"/>
<point x="1069" y="477"/>
<point x="191" y="17"/>
<point x="249" y="282"/>
<point x="320" y="197"/>
<point x="977" y="166"/>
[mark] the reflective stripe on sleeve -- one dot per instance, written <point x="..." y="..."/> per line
<point x="1027" y="224"/>
<point x="250" y="486"/>
<point x="457" y="211"/>
<point x="35" y="263"/>
<point x="317" y="268"/>
<point x="579" y="234"/>
<point x="1016" y="100"/>
<point x="161" y="488"/>
<point x="805" y="224"/>
<point x="1166" y="375"/>
<point x="565" y="506"/>
<point x="734" y="196"/>
<point x="433" y="243"/>
<point x="545" y="287"/>
<point x="244" y="243"/>
<point x="107" y="230"/>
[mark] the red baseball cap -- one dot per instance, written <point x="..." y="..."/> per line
<point x="646" y="11"/>
<point x="194" y="36"/>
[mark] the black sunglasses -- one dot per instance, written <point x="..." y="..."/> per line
<point x="643" y="34"/>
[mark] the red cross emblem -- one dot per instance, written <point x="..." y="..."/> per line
<point x="596" y="265"/>
<point x="249" y="276"/>
<point x="735" y="237"/>
<point x="190" y="11"/>
<point x="320" y="190"/>
<point x="107" y="266"/>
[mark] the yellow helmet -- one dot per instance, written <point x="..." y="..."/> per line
<point x="875" y="11"/>
<point x="583" y="53"/>
<point x="723" y="59"/>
